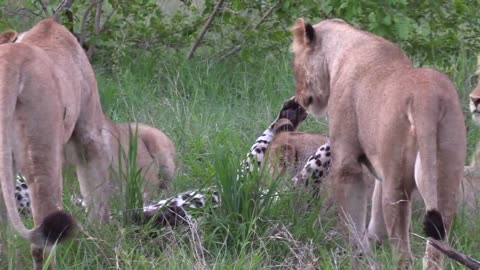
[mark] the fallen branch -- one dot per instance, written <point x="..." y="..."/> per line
<point x="455" y="255"/>
<point x="204" y="29"/>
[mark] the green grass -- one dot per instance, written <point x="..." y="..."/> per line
<point x="214" y="112"/>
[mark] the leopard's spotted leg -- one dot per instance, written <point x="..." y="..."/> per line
<point x="290" y="110"/>
<point x="21" y="194"/>
<point x="316" y="169"/>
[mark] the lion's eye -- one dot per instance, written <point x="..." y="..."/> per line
<point x="309" y="100"/>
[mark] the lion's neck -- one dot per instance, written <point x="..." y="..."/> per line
<point x="352" y="55"/>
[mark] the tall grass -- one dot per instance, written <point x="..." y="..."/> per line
<point x="130" y="179"/>
<point x="214" y="111"/>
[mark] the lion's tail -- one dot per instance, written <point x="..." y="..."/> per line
<point x="57" y="225"/>
<point x="426" y="171"/>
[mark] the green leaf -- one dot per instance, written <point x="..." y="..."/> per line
<point x="387" y="20"/>
<point x="372" y="18"/>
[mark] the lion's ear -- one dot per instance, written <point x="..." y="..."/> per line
<point x="303" y="34"/>
<point x="8" y="36"/>
<point x="283" y="125"/>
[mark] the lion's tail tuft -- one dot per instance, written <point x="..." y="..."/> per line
<point x="56" y="227"/>
<point x="433" y="225"/>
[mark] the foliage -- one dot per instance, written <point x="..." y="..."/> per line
<point x="431" y="31"/>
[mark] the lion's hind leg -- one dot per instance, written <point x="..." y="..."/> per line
<point x="396" y="206"/>
<point x="38" y="155"/>
<point x="450" y="162"/>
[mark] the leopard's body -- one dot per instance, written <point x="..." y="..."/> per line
<point x="176" y="209"/>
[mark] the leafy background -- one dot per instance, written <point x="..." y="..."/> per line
<point x="431" y="31"/>
<point x="215" y="103"/>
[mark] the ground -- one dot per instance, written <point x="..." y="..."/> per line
<point x="214" y="112"/>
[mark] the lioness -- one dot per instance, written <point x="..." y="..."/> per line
<point x="155" y="155"/>
<point x="474" y="105"/>
<point x="387" y="114"/>
<point x="49" y="98"/>
<point x="472" y="189"/>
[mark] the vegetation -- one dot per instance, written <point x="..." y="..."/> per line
<point x="433" y="31"/>
<point x="214" y="106"/>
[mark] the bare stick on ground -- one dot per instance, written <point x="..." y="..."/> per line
<point x="455" y="255"/>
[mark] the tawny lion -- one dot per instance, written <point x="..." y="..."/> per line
<point x="49" y="99"/>
<point x="404" y="123"/>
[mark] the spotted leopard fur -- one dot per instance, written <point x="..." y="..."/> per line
<point x="290" y="110"/>
<point x="21" y="194"/>
<point x="316" y="169"/>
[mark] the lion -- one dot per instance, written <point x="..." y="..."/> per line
<point x="474" y="104"/>
<point x="472" y="176"/>
<point x="404" y="123"/>
<point x="50" y="105"/>
<point x="155" y="156"/>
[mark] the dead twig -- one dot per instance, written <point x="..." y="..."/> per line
<point x="83" y="24"/>
<point x="22" y="12"/>
<point x="62" y="6"/>
<point x="204" y="29"/>
<point x="230" y="51"/>
<point x="455" y="255"/>
<point x="44" y="7"/>
<point x="96" y="25"/>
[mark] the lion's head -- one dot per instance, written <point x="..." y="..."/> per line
<point x="475" y="104"/>
<point x="310" y="68"/>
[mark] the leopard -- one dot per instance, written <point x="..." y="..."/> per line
<point x="177" y="209"/>
<point x="404" y="123"/>
<point x="303" y="156"/>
